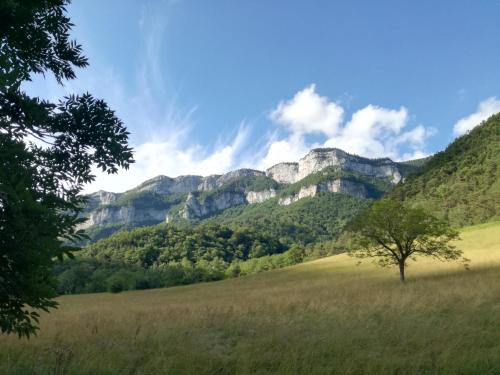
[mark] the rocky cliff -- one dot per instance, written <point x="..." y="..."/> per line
<point x="190" y="183"/>
<point x="344" y="186"/>
<point x="284" y="172"/>
<point x="125" y="215"/>
<point x="168" y="185"/>
<point x="194" y="208"/>
<point x="253" y="197"/>
<point x="321" y="158"/>
<point x="189" y="197"/>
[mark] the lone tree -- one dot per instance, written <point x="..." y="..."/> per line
<point x="47" y="152"/>
<point x="394" y="232"/>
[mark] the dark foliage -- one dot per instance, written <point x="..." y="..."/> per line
<point x="166" y="255"/>
<point x="47" y="151"/>
<point x="166" y="244"/>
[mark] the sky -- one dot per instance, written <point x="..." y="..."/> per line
<point x="205" y="87"/>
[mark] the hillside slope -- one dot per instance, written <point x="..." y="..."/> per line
<point x="329" y="316"/>
<point x="196" y="198"/>
<point x="312" y="219"/>
<point x="461" y="183"/>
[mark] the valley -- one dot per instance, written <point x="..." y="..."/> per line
<point x="233" y="188"/>
<point x="327" y="316"/>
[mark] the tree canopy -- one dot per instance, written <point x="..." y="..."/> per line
<point x="393" y="232"/>
<point x="47" y="152"/>
<point x="460" y="184"/>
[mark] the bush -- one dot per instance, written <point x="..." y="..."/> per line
<point x="121" y="280"/>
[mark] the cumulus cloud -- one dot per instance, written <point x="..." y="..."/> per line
<point x="278" y="150"/>
<point x="484" y="110"/>
<point x="308" y="112"/>
<point x="175" y="156"/>
<point x="372" y="131"/>
<point x="162" y="131"/>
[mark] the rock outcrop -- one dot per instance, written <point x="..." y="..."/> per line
<point x="193" y="208"/>
<point x="239" y="173"/>
<point x="192" y="183"/>
<point x="355" y="189"/>
<point x="124" y="215"/>
<point x="285" y="173"/>
<point x="101" y="197"/>
<point x="253" y="197"/>
<point x="321" y="158"/>
<point x="168" y="185"/>
<point x="136" y="207"/>
<point x="208" y="183"/>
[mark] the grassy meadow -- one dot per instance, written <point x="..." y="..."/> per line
<point x="323" y="317"/>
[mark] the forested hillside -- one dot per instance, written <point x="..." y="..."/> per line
<point x="243" y="240"/>
<point x="197" y="198"/>
<point x="308" y="220"/>
<point x="461" y="183"/>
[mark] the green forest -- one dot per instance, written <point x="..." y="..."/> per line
<point x="243" y="240"/>
<point x="461" y="183"/>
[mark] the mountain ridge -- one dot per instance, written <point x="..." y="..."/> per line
<point x="266" y="172"/>
<point x="192" y="197"/>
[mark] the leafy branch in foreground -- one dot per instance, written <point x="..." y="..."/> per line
<point x="47" y="154"/>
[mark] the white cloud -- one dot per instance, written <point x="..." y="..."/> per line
<point x="484" y="110"/>
<point x="289" y="149"/>
<point x="161" y="130"/>
<point x="307" y="112"/>
<point x="372" y="131"/>
<point x="174" y="156"/>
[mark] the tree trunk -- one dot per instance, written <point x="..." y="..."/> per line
<point x="402" y="271"/>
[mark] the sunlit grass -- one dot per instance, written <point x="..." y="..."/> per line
<point x="326" y="316"/>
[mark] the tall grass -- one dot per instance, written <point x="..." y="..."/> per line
<point x="329" y="316"/>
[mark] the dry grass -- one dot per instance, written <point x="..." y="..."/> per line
<point x="324" y="317"/>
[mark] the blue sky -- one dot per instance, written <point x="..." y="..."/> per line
<point x="209" y="86"/>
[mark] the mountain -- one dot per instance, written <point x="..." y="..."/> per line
<point x="461" y="183"/>
<point x="195" y="198"/>
<point x="248" y="221"/>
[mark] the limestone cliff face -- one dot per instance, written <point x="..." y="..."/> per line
<point x="211" y="205"/>
<point x="344" y="186"/>
<point x="191" y="183"/>
<point x="125" y="215"/>
<point x="95" y="202"/>
<point x="321" y="158"/>
<point x="101" y="197"/>
<point x="285" y="173"/>
<point x="253" y="197"/>
<point x="239" y="173"/>
<point x="168" y="185"/>
<point x="106" y="208"/>
<point x="208" y="183"/>
<point x="215" y="181"/>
